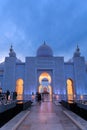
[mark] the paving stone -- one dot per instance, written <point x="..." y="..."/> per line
<point x="47" y="116"/>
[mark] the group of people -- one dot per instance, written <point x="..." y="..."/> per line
<point x="38" y="97"/>
<point x="7" y="96"/>
<point x="12" y="95"/>
<point x="41" y="96"/>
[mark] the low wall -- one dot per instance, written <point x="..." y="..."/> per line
<point x="78" y="108"/>
<point x="8" y="114"/>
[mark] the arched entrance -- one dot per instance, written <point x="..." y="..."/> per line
<point x="45" y="85"/>
<point x="19" y="89"/>
<point x="70" y="90"/>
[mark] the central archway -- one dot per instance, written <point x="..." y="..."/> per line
<point x="45" y="87"/>
<point x="45" y="83"/>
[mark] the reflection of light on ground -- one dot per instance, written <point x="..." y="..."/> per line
<point x="69" y="101"/>
<point x="47" y="97"/>
<point x="20" y="102"/>
<point x="46" y="107"/>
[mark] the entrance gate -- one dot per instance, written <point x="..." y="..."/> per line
<point x="45" y="86"/>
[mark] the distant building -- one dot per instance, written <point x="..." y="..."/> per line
<point x="45" y="72"/>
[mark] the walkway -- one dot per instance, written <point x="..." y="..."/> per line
<point x="47" y="116"/>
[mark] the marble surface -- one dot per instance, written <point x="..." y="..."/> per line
<point x="47" y="116"/>
<point x="81" y="123"/>
<point x="16" y="121"/>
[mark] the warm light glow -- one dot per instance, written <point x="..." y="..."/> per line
<point x="40" y="89"/>
<point x="44" y="75"/>
<point x="70" y="92"/>
<point x="0" y="90"/>
<point x="57" y="97"/>
<point x="50" y="89"/>
<point x="46" y="86"/>
<point x="19" y="89"/>
<point x="81" y="97"/>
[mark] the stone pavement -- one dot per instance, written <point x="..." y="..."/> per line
<point x="47" y="116"/>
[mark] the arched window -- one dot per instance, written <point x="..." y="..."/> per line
<point x="19" y="89"/>
<point x="70" y="90"/>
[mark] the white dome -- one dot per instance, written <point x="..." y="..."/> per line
<point x="44" y="51"/>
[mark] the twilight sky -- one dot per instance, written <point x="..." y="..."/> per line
<point x="26" y="24"/>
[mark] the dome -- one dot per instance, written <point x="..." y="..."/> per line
<point x="44" y="51"/>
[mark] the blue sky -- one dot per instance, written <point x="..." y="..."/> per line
<point x="26" y="24"/>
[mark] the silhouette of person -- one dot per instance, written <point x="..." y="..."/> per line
<point x="7" y="94"/>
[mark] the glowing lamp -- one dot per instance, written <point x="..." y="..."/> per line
<point x="81" y="97"/>
<point x="0" y="90"/>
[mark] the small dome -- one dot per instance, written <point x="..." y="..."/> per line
<point x="12" y="53"/>
<point x="44" y="51"/>
<point x="77" y="52"/>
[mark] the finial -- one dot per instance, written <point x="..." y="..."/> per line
<point x="11" y="48"/>
<point x="44" y="43"/>
<point x="12" y="53"/>
<point x="77" y="52"/>
<point x="78" y="48"/>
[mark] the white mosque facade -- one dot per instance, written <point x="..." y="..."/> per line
<point x="45" y="73"/>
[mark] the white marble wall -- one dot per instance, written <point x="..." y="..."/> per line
<point x="9" y="73"/>
<point x="30" y="77"/>
<point x="20" y="71"/>
<point x="55" y="66"/>
<point x="79" y="71"/>
<point x="59" y="76"/>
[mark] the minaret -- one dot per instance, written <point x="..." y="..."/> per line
<point x="79" y="72"/>
<point x="44" y="43"/>
<point x="12" y="53"/>
<point x="10" y="69"/>
<point x="77" y="52"/>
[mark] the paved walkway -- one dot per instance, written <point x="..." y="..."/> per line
<point x="47" y="116"/>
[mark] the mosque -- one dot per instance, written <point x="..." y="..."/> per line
<point x="45" y="73"/>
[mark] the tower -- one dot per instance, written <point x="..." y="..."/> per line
<point x="9" y="70"/>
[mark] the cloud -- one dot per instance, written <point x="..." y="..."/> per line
<point x="10" y="33"/>
<point x="26" y="24"/>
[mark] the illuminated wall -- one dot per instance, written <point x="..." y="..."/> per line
<point x="45" y="85"/>
<point x="70" y="90"/>
<point x="36" y="69"/>
<point x="19" y="89"/>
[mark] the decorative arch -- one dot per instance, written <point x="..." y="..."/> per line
<point x="46" y="78"/>
<point x="44" y="75"/>
<point x="70" y="90"/>
<point x="40" y="89"/>
<point x="19" y="89"/>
